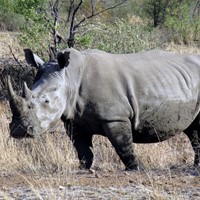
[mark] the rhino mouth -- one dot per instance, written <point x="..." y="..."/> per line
<point x="21" y="135"/>
<point x="18" y="131"/>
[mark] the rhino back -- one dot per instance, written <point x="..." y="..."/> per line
<point x="156" y="90"/>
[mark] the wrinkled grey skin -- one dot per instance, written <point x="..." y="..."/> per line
<point x="135" y="98"/>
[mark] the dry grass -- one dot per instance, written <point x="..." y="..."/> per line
<point x="7" y="40"/>
<point x="54" y="152"/>
<point x="181" y="48"/>
<point x="48" y="153"/>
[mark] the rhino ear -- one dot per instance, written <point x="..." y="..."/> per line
<point x="33" y="59"/>
<point x="63" y="59"/>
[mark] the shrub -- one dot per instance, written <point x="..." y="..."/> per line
<point x="35" y="35"/>
<point x="183" y="22"/>
<point x="9" y="20"/>
<point x="180" y="18"/>
<point x="118" y="37"/>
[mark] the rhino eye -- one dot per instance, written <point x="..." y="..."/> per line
<point x="30" y="106"/>
<point x="46" y="101"/>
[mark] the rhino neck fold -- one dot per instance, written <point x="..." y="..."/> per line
<point x="74" y="74"/>
<point x="73" y="77"/>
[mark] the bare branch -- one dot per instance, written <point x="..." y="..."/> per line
<point x="13" y="55"/>
<point x="73" y="17"/>
<point x="71" y="6"/>
<point x="74" y="27"/>
<point x="57" y="38"/>
<point x="54" y="14"/>
<point x="98" y="13"/>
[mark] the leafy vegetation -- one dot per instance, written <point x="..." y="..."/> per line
<point x="118" y="37"/>
<point x="184" y="21"/>
<point x="9" y="19"/>
<point x="180" y="18"/>
<point x="48" y="26"/>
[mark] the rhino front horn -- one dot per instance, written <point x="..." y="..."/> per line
<point x="16" y="102"/>
<point x="11" y="92"/>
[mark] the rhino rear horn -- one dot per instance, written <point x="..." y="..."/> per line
<point x="26" y="91"/>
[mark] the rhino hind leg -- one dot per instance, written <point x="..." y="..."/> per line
<point x="120" y="136"/>
<point x="193" y="133"/>
<point x="194" y="137"/>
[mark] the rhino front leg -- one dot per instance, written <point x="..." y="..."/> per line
<point x="83" y="144"/>
<point x="120" y="136"/>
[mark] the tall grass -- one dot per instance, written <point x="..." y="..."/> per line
<point x="49" y="153"/>
<point x="54" y="152"/>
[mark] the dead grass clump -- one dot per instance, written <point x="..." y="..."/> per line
<point x="181" y="48"/>
<point x="18" y="74"/>
<point x="105" y="156"/>
<point x="9" y="41"/>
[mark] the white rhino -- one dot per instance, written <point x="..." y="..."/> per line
<point x="129" y="98"/>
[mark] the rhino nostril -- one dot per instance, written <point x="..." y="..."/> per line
<point x="30" y="130"/>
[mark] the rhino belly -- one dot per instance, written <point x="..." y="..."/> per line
<point x="160" y="124"/>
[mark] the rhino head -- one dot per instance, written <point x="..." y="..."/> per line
<point x="23" y="120"/>
<point x="38" y="109"/>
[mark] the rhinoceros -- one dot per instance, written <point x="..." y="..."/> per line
<point x="144" y="97"/>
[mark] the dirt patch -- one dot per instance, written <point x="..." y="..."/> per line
<point x="153" y="184"/>
<point x="9" y="43"/>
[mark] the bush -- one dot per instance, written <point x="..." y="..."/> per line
<point x="118" y="37"/>
<point x="183" y="23"/>
<point x="177" y="17"/>
<point x="35" y="35"/>
<point x="35" y="30"/>
<point x="155" y="10"/>
<point x="9" y="20"/>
